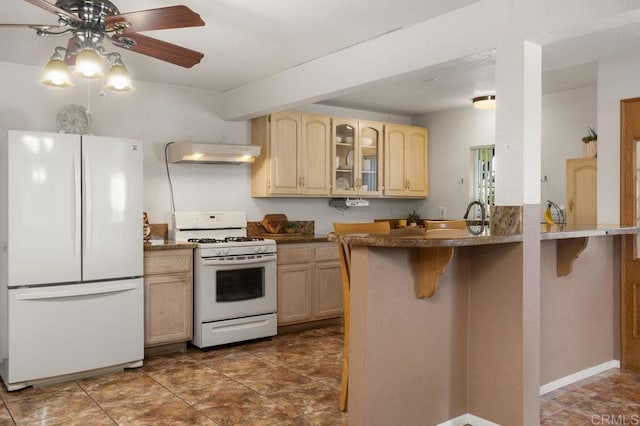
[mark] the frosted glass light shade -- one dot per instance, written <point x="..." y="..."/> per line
<point x="89" y="64"/>
<point x="118" y="79"/>
<point x="56" y="74"/>
<point x="484" y="102"/>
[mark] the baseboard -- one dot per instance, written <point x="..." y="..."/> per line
<point x="468" y="419"/>
<point x="576" y="377"/>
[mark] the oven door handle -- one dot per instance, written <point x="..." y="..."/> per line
<point x="212" y="261"/>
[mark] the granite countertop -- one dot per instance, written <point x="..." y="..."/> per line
<point x="461" y="238"/>
<point x="168" y="245"/>
<point x="420" y="238"/>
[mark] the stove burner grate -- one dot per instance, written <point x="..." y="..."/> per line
<point x="205" y="240"/>
<point x="241" y="239"/>
<point x="225" y="240"/>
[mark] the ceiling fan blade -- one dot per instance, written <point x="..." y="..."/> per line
<point x="32" y="26"/>
<point x="157" y="19"/>
<point x="70" y="59"/>
<point x="162" y="50"/>
<point x="54" y="9"/>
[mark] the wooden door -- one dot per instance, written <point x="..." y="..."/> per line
<point x="315" y="149"/>
<point x="582" y="200"/>
<point x="630" y="270"/>
<point x="417" y="161"/>
<point x="285" y="134"/>
<point x="395" y="147"/>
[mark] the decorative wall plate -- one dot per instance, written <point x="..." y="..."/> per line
<point x="74" y="119"/>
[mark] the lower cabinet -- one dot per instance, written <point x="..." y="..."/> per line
<point x="168" y="296"/>
<point x="309" y="282"/>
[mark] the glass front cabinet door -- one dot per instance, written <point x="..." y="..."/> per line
<point x="357" y="148"/>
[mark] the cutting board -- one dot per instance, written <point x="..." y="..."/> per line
<point x="274" y="223"/>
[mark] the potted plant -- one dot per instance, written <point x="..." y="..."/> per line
<point x="590" y="144"/>
<point x="290" y="228"/>
<point x="413" y="219"/>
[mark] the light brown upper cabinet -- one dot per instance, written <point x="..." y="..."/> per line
<point x="295" y="155"/>
<point x="320" y="156"/>
<point x="357" y="149"/>
<point x="405" y="161"/>
<point x="582" y="196"/>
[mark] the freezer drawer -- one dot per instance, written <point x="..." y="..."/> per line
<point x="67" y="329"/>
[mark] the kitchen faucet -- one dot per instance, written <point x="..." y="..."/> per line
<point x="481" y="210"/>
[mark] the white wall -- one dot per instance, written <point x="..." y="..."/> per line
<point x="451" y="134"/>
<point x="157" y="114"/>
<point x="566" y="117"/>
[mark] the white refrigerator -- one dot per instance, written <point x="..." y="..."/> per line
<point x="71" y="292"/>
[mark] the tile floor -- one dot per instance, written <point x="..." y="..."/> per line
<point x="292" y="379"/>
<point x="609" y="398"/>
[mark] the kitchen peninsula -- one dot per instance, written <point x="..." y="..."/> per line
<point x="459" y="354"/>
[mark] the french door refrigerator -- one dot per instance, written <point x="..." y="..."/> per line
<point x="71" y="292"/>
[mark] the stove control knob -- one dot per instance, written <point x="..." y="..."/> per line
<point x="217" y="252"/>
<point x="226" y="251"/>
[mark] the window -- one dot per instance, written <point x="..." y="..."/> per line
<point x="484" y="179"/>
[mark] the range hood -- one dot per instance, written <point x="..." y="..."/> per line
<point x="189" y="152"/>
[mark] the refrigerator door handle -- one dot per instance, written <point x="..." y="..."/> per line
<point x="88" y="203"/>
<point x="67" y="293"/>
<point x="75" y="208"/>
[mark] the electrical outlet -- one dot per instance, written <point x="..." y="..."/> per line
<point x="443" y="212"/>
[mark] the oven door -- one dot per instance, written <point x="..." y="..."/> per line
<point x="227" y="289"/>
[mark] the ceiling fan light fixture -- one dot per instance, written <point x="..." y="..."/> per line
<point x="484" y="102"/>
<point x="89" y="64"/>
<point x="56" y="74"/>
<point x="118" y="78"/>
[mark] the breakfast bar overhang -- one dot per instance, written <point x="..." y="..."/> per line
<point x="462" y="352"/>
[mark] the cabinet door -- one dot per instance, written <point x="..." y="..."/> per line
<point x="344" y="154"/>
<point x="294" y="293"/>
<point x="168" y="315"/>
<point x="582" y="194"/>
<point x="417" y="161"/>
<point x="328" y="290"/>
<point x="315" y="164"/>
<point x="369" y="159"/>
<point x="395" y="173"/>
<point x="285" y="134"/>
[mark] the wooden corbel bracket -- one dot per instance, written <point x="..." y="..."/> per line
<point x="429" y="263"/>
<point x="567" y="251"/>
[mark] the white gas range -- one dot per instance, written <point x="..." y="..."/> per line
<point x="235" y="288"/>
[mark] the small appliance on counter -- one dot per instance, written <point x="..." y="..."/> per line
<point x="235" y="279"/>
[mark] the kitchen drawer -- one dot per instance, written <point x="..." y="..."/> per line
<point x="302" y="255"/>
<point x="168" y="261"/>
<point x="327" y="253"/>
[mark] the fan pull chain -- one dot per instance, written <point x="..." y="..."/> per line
<point x="89" y="95"/>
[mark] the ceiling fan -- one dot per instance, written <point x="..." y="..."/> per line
<point x="91" y="21"/>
